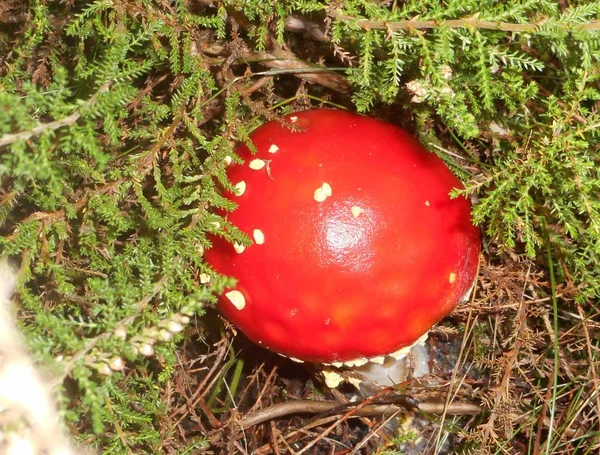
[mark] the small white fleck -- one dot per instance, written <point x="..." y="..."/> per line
<point x="239" y="248"/>
<point x="356" y="362"/>
<point x="257" y="164"/>
<point x="216" y="224"/>
<point x="427" y="203"/>
<point x="59" y="358"/>
<point x="327" y="321"/>
<point x="237" y="299"/>
<point x="294" y="119"/>
<point x="240" y="188"/>
<point x="204" y="278"/>
<point x="379" y="360"/>
<point x="227" y="160"/>
<point x="356" y="211"/>
<point x="319" y="196"/>
<point x="355" y="382"/>
<point x="323" y="192"/>
<point x="452" y="278"/>
<point x="332" y="379"/>
<point x="259" y="236"/>
<point x="273" y="148"/>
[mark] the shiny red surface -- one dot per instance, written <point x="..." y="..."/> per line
<point x="326" y="285"/>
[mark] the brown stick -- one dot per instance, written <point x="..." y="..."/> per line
<point x="281" y="59"/>
<point x="317" y="407"/>
<point x="459" y="23"/>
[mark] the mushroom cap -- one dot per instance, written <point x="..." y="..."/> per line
<point x="359" y="249"/>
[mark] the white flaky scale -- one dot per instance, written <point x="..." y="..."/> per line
<point x="427" y="203"/>
<point x="356" y="211"/>
<point x="240" y="188"/>
<point x="403" y="352"/>
<point x="204" y="278"/>
<point x="227" y="160"/>
<point x="355" y="382"/>
<point x="273" y="148"/>
<point x="332" y="379"/>
<point x="236" y="298"/>
<point x="351" y="363"/>
<point x="259" y="236"/>
<point x="294" y="119"/>
<point x="239" y="248"/>
<point x="452" y="278"/>
<point x="257" y="164"/>
<point x="378" y="360"/>
<point x="323" y="192"/>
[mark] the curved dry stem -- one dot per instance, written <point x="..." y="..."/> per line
<point x="318" y="407"/>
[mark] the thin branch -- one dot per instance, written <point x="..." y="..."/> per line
<point x="281" y="59"/>
<point x="144" y="166"/>
<point x="51" y="126"/>
<point x="286" y="62"/>
<point x="318" y="407"/>
<point x="310" y="29"/>
<point x="140" y="305"/>
<point x="460" y="23"/>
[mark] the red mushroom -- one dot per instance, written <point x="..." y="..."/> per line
<point x="358" y="248"/>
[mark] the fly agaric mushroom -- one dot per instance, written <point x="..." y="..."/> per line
<point x="358" y="248"/>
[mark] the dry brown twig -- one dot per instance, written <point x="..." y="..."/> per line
<point x="281" y="59"/>
<point x="501" y="392"/>
<point x="318" y="407"/>
<point x="457" y="23"/>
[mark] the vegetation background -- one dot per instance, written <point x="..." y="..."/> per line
<point x="117" y="118"/>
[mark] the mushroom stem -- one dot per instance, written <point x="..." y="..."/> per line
<point x="370" y="375"/>
<point x="394" y="370"/>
